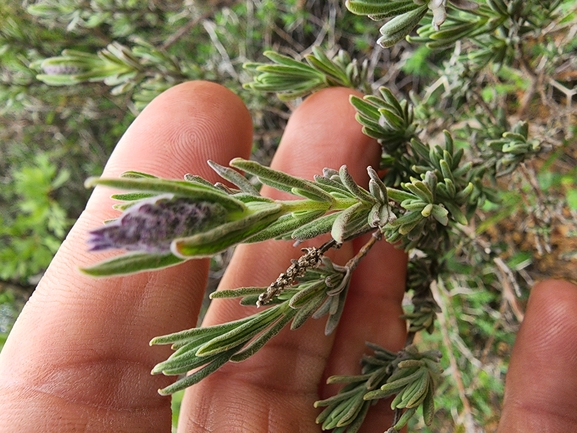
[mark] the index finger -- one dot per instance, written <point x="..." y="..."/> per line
<point x="78" y="357"/>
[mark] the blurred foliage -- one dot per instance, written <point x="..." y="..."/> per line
<point x="36" y="223"/>
<point x="54" y="133"/>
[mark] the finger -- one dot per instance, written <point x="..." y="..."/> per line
<point x="275" y="389"/>
<point x="541" y="382"/>
<point x="78" y="357"/>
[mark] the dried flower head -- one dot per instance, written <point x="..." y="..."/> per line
<point x="152" y="224"/>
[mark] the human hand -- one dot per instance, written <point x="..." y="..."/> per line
<point x="78" y="356"/>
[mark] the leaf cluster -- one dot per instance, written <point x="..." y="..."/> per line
<point x="320" y="291"/>
<point x="333" y="203"/>
<point x="32" y="228"/>
<point x="116" y="65"/>
<point x="292" y="79"/>
<point x="409" y="374"/>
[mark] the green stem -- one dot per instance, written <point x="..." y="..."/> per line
<point x="311" y="205"/>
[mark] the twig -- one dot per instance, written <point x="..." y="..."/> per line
<point x="536" y="82"/>
<point x="185" y="29"/>
<point x="210" y="28"/>
<point x="510" y="287"/>
<point x="541" y="214"/>
<point x="467" y="412"/>
<point x="354" y="262"/>
<point x="569" y="94"/>
<point x="489" y="342"/>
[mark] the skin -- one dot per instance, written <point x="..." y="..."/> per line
<point x="78" y="357"/>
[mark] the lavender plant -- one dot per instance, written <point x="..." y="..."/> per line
<point x="430" y="190"/>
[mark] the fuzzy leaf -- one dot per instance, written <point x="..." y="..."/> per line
<point x="131" y="263"/>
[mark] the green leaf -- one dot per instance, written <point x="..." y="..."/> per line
<point x="256" y="344"/>
<point x="381" y="8"/>
<point x="233" y="177"/>
<point x="399" y="195"/>
<point x="266" y="174"/>
<point x="350" y="222"/>
<point x="287" y="224"/>
<point x="400" y="26"/>
<point x="197" y="376"/>
<point x="131" y="263"/>
<point x="353" y="187"/>
<point x="180" y="188"/>
<point x="315" y="228"/>
<point x="237" y="293"/>
<point x="242" y="333"/>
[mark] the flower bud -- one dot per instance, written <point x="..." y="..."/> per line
<point x="151" y="225"/>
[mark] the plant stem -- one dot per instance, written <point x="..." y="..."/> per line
<point x="354" y="262"/>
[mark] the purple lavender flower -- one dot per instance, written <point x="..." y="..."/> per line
<point x="60" y="69"/>
<point x="151" y="225"/>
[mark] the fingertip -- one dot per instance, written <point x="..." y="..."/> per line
<point x="323" y="132"/>
<point x="184" y="127"/>
<point x="558" y="288"/>
<point x="541" y="382"/>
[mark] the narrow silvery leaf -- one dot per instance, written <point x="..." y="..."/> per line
<point x="356" y="405"/>
<point x="332" y="186"/>
<point x="233" y="177"/>
<point x="315" y="228"/>
<point x="365" y="108"/>
<point x="450" y="185"/>
<point x="286" y="224"/>
<point x="257" y="344"/>
<point x="197" y="376"/>
<point x="137" y="175"/>
<point x="180" y="188"/>
<point x="407" y="414"/>
<point x="456" y="213"/>
<point x="285" y="60"/>
<point x="385" y="9"/>
<point x="305" y="312"/>
<point x="400" y="26"/>
<point x="429" y="405"/>
<point x="131" y="263"/>
<point x="323" y="64"/>
<point x="399" y="195"/>
<point x="308" y="194"/>
<point x="184" y="359"/>
<point x="132" y="196"/>
<point x="421" y="190"/>
<point x="376" y="186"/>
<point x="196" y="179"/>
<point x="352" y="186"/>
<point x="242" y="333"/>
<point x="189" y="334"/>
<point x="265" y="173"/>
<point x="288" y="71"/>
<point x="462" y="195"/>
<point x="407" y="218"/>
<point x="340" y="230"/>
<point x="306" y="293"/>
<point x="237" y="293"/>
<point x="335" y="317"/>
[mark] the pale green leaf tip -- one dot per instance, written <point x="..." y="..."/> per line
<point x="91" y="182"/>
<point x="93" y="272"/>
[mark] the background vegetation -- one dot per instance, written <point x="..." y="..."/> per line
<point x="54" y="133"/>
